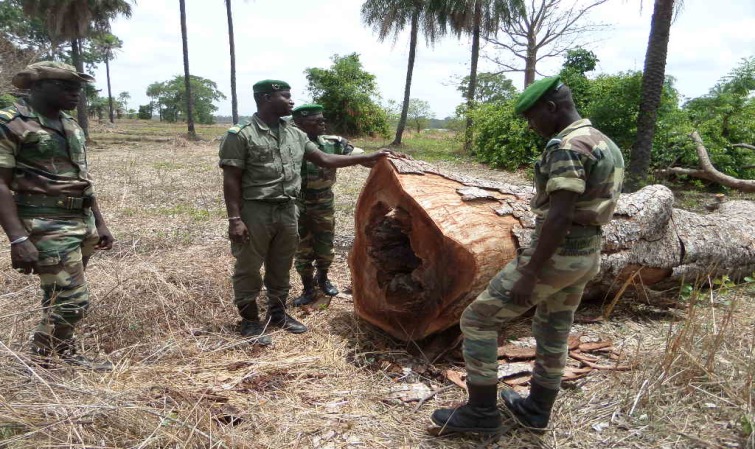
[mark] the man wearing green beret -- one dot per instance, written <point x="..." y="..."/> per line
<point x="317" y="219"/>
<point x="577" y="184"/>
<point x="47" y="204"/>
<point x="261" y="162"/>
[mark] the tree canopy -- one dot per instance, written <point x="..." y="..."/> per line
<point x="169" y="98"/>
<point x="349" y="95"/>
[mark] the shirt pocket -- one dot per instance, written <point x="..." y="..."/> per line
<point x="37" y="144"/>
<point x="261" y="154"/>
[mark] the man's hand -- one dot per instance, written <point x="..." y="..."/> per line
<point x="237" y="231"/>
<point x="106" y="238"/>
<point x="24" y="257"/>
<point x="521" y="291"/>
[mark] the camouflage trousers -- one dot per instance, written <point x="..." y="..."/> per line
<point x="63" y="244"/>
<point x="316" y="230"/>
<point x="557" y="295"/>
<point x="272" y="242"/>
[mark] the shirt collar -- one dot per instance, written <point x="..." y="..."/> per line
<point x="263" y="126"/>
<point x="25" y="109"/>
<point x="581" y="123"/>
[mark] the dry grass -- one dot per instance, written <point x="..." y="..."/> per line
<point x="184" y="378"/>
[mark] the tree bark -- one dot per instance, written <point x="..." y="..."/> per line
<point x="232" y="48"/>
<point x="709" y="172"/>
<point x="653" y="77"/>
<point x="409" y="73"/>
<point x="468" y="136"/>
<point x="109" y="92"/>
<point x="427" y="243"/>
<point x="82" y="109"/>
<point x="187" y="76"/>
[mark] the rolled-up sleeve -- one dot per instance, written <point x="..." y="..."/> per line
<point x="232" y="151"/>
<point x="7" y="149"/>
<point x="565" y="172"/>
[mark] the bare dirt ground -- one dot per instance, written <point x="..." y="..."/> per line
<point x="162" y="312"/>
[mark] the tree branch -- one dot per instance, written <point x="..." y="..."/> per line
<point x="709" y="172"/>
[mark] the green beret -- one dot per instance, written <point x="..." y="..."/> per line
<point x="48" y="70"/>
<point x="270" y="86"/>
<point x="307" y="109"/>
<point x="535" y="92"/>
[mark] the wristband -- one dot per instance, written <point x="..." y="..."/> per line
<point x="234" y="218"/>
<point x="20" y="240"/>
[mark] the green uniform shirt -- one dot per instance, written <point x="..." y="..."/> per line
<point x="45" y="161"/>
<point x="271" y="161"/>
<point x="580" y="159"/>
<point x="315" y="177"/>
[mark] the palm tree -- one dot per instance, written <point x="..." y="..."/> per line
<point x="390" y="17"/>
<point x="232" y="47"/>
<point x="107" y="44"/>
<point x="74" y="21"/>
<point x="187" y="77"/>
<point x="478" y="18"/>
<point x="653" y="77"/>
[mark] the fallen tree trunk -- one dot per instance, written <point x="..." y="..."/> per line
<point x="427" y="243"/>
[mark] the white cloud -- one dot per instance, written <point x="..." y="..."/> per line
<point x="281" y="39"/>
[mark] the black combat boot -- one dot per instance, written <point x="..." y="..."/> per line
<point x="251" y="326"/>
<point x="308" y="295"/>
<point x="66" y="349"/>
<point x="325" y="285"/>
<point x="533" y="411"/>
<point x="277" y="317"/>
<point x="480" y="414"/>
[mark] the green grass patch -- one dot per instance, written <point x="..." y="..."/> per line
<point x="430" y="145"/>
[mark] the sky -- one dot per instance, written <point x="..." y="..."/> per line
<point x="280" y="39"/>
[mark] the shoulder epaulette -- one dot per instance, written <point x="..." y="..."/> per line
<point x="8" y="114"/>
<point x="555" y="142"/>
<point x="235" y="129"/>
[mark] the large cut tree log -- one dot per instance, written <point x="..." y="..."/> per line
<point x="427" y="243"/>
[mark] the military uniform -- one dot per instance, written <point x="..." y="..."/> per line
<point x="271" y="161"/>
<point x="317" y="220"/>
<point x="53" y="194"/>
<point x="583" y="160"/>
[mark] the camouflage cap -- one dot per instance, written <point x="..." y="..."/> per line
<point x="48" y="70"/>
<point x="307" y="109"/>
<point x="535" y="91"/>
<point x="269" y="86"/>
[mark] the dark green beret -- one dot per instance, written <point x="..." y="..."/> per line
<point x="307" y="109"/>
<point x="534" y="92"/>
<point x="270" y="86"/>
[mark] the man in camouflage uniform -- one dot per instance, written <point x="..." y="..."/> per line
<point x="261" y="162"/>
<point x="47" y="204"/>
<point x="317" y="220"/>
<point x="577" y="180"/>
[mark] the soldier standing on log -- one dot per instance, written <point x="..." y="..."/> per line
<point x="47" y="204"/>
<point x="316" y="203"/>
<point x="578" y="180"/>
<point x="261" y="162"/>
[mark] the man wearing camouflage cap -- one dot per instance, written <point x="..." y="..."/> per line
<point x="261" y="162"/>
<point x="317" y="219"/>
<point x="47" y="204"/>
<point x="577" y="180"/>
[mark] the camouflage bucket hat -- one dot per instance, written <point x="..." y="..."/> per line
<point x="48" y="70"/>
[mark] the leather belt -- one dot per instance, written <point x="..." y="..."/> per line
<point x="58" y="202"/>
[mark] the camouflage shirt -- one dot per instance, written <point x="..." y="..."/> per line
<point x="315" y="177"/>
<point x="580" y="159"/>
<point x="44" y="160"/>
<point x="271" y="161"/>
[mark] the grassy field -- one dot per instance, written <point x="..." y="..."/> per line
<point x="162" y="312"/>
